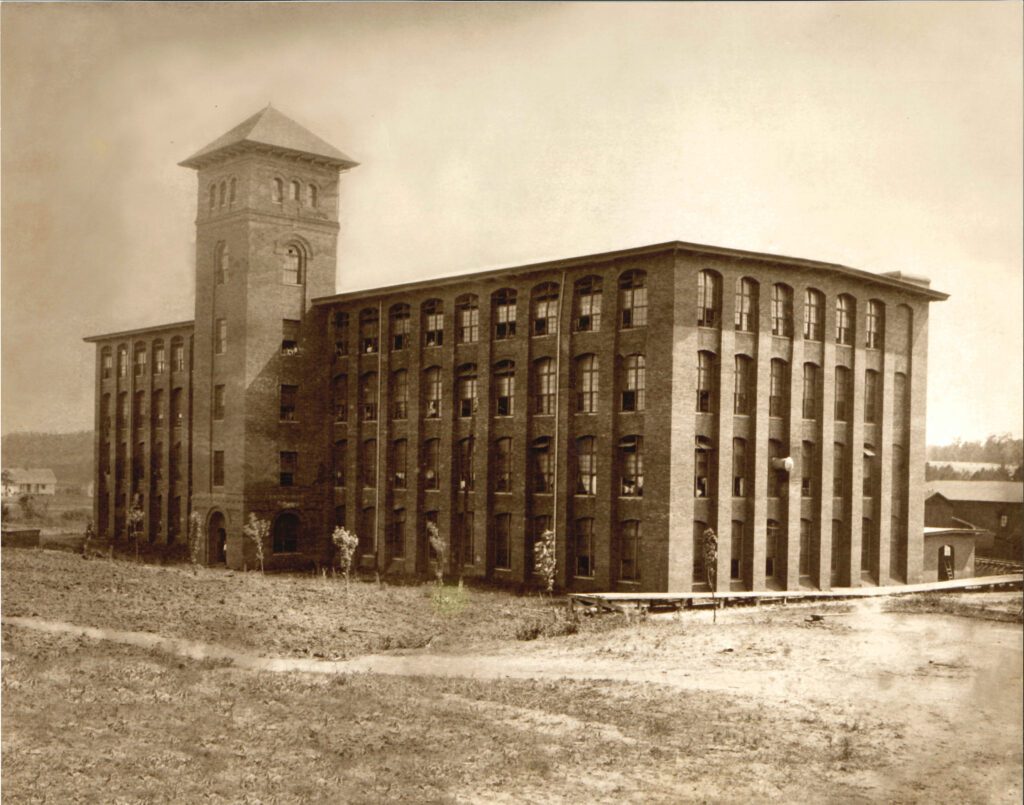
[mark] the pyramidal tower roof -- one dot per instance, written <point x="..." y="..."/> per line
<point x="269" y="130"/>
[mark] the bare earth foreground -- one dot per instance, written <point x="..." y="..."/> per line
<point x="405" y="694"/>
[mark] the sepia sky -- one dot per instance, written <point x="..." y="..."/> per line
<point x="881" y="136"/>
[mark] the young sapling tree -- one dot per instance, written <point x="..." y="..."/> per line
<point x="346" y="542"/>
<point x="194" y="545"/>
<point x="544" y="560"/>
<point x="440" y="546"/>
<point x="257" y="530"/>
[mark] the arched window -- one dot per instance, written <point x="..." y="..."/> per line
<point x="778" y="392"/>
<point x="368" y="464"/>
<point x="586" y="384"/>
<point x="504" y="388"/>
<point x="629" y="550"/>
<point x="465" y="471"/>
<point x="369" y="330"/>
<point x="399" y="394"/>
<point x="340" y="392"/>
<point x="467" y="319"/>
<point x="633" y="299"/>
<point x="502" y="541"/>
<point x="367" y="530"/>
<point x="401" y="325"/>
<point x="807" y="476"/>
<point x="869" y="470"/>
<point x="736" y="550"/>
<point x="746" y="305"/>
<point x="771" y="547"/>
<point x="106" y="363"/>
<point x="631" y="466"/>
<point x="221" y="261"/>
<point x="586" y="466"/>
<point x="543" y="465"/>
<point x="232" y="190"/>
<point x="871" y="407"/>
<point x="340" y="462"/>
<point x="467" y="390"/>
<point x="742" y="377"/>
<point x="399" y="463"/>
<point x="122" y="361"/>
<point x="806" y="538"/>
<point x="774" y="472"/>
<point x="286" y="533"/>
<point x="295" y="191"/>
<point x="277" y="191"/>
<point x="293" y="270"/>
<point x="395" y="544"/>
<point x="709" y="298"/>
<point x="634" y="382"/>
<point x="545" y="309"/>
<point x="838" y="469"/>
<point x="433" y="323"/>
<point x="584" y="547"/>
<point x="842" y="409"/>
<point x="340" y="334"/>
<point x="504" y="302"/>
<point x="159" y="357"/>
<point x="177" y="354"/>
<point x="782" y="310"/>
<point x="432" y="392"/>
<point x="875" y="325"/>
<point x="431" y="466"/>
<point x="368" y="397"/>
<point x="810" y="395"/>
<point x="544" y="386"/>
<point x="140" y="360"/>
<point x="213" y="197"/>
<point x="503" y="465"/>
<point x="814" y="315"/>
<point x="740" y="465"/>
<point x="587" y="305"/>
<point x="314" y="196"/>
<point x="844" y="319"/>
<point x="223" y="195"/>
<point x="705" y="382"/>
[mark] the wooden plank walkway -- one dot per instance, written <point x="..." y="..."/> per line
<point x="618" y="602"/>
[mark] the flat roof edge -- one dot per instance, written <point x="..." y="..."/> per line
<point x="670" y="246"/>
<point x="179" y="325"/>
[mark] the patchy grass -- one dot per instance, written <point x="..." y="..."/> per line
<point x="1005" y="607"/>
<point x="280" y="614"/>
<point x="108" y="723"/>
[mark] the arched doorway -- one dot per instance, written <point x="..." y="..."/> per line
<point x="217" y="539"/>
<point x="947" y="563"/>
<point x="286" y="533"/>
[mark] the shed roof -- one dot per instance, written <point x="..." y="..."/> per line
<point x="269" y="129"/>
<point x="977" y="491"/>
<point x="23" y="476"/>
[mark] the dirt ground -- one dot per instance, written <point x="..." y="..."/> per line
<point x="864" y="705"/>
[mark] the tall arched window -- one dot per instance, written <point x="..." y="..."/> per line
<point x="340" y="393"/>
<point x="871" y="403"/>
<point x="314" y="196"/>
<point x="746" y="305"/>
<point x="431" y="464"/>
<point x="465" y="472"/>
<point x="368" y="397"/>
<point x="782" y="310"/>
<point x="543" y="474"/>
<point x="433" y="323"/>
<point x="213" y="197"/>
<point x="293" y="270"/>
<point x="122" y="361"/>
<point x="232" y="190"/>
<point x="842" y="408"/>
<point x="742" y="378"/>
<point x="544" y="386"/>
<point x="584" y="547"/>
<point x="369" y="330"/>
<point x="401" y="325"/>
<point x="810" y="396"/>
<point x="875" y="325"/>
<point x="504" y="302"/>
<point x="177" y="354"/>
<point x="277" y="191"/>
<point x="771" y="547"/>
<point x="223" y="194"/>
<point x="545" y="309"/>
<point x="286" y="533"/>
<point x="399" y="394"/>
<point x="739" y="468"/>
<point x="221" y="261"/>
<point x="778" y="392"/>
<point x="814" y="315"/>
<point x="845" y="309"/>
<point x="631" y="466"/>
<point x="633" y="299"/>
<point x="504" y="388"/>
<point x="140" y="360"/>
<point x="587" y="305"/>
<point x="634" y="382"/>
<point x="106" y="363"/>
<point x="399" y="463"/>
<point x="705" y="382"/>
<point x="432" y="392"/>
<point x="368" y="464"/>
<point x="467" y="390"/>
<point x="395" y="544"/>
<point x="159" y="357"/>
<point x="295" y="191"/>
<point x="586" y="466"/>
<point x="629" y="550"/>
<point x="586" y="384"/>
<point x="467" y="319"/>
<point x="503" y="465"/>
<point x="709" y="298"/>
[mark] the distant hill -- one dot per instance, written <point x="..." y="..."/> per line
<point x="69" y="455"/>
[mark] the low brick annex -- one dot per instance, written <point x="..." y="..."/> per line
<point x="627" y="400"/>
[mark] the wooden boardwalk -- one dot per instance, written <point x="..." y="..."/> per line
<point x="619" y="602"/>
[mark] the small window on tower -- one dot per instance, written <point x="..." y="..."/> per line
<point x="295" y="190"/>
<point x="314" y="200"/>
<point x="292" y="269"/>
<point x="277" y="191"/>
<point x="290" y="337"/>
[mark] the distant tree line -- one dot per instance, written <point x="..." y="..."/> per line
<point x="1004" y="451"/>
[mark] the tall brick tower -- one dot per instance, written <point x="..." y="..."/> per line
<point x="266" y="238"/>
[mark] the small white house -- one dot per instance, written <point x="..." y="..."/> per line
<point x="17" y="482"/>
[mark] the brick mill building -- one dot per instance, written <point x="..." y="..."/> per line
<point x="627" y="400"/>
